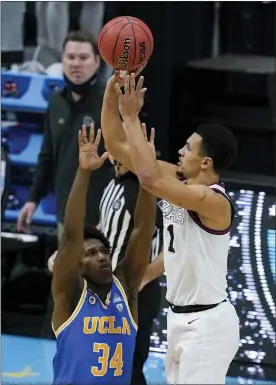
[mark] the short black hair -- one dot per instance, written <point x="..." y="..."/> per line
<point x="82" y="37"/>
<point x="92" y="232"/>
<point x="218" y="143"/>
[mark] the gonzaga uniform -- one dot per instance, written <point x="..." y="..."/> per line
<point x="203" y="328"/>
<point x="96" y="344"/>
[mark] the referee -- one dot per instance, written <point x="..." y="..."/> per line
<point x="116" y="221"/>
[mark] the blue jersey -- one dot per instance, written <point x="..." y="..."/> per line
<point x="96" y="344"/>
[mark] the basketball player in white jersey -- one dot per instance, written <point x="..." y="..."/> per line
<point x="203" y="327"/>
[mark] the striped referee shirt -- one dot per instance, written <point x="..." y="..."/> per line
<point x="116" y="214"/>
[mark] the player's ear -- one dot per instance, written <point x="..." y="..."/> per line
<point x="207" y="163"/>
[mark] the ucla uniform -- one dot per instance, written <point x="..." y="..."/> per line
<point x="96" y="344"/>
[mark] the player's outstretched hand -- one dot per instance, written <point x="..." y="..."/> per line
<point x="120" y="76"/>
<point x="132" y="100"/>
<point x="89" y="158"/>
<point x="152" y="138"/>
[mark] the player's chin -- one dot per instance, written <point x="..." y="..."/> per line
<point x="105" y="274"/>
<point x="180" y="168"/>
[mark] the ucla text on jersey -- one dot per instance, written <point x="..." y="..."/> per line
<point x="96" y="344"/>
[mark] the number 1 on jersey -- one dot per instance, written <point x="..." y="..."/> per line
<point x="170" y="230"/>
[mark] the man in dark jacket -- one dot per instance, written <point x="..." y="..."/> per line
<point x="79" y="102"/>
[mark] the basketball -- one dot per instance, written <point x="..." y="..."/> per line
<point x="125" y="43"/>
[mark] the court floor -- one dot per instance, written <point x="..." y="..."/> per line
<point x="29" y="361"/>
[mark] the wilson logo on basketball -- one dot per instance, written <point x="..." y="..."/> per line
<point x="142" y="52"/>
<point x="123" y="58"/>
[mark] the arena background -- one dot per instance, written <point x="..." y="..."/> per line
<point x="212" y="61"/>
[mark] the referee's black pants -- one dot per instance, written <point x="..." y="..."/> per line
<point x="149" y="300"/>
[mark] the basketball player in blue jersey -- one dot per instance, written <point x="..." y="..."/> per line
<point x="95" y="311"/>
<point x="203" y="327"/>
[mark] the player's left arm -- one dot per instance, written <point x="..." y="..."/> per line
<point x="197" y="198"/>
<point x="154" y="270"/>
<point x="66" y="266"/>
<point x="134" y="265"/>
<point x="131" y="270"/>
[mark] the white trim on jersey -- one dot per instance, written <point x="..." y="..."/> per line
<point x="218" y="187"/>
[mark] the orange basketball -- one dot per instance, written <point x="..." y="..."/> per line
<point x="125" y="43"/>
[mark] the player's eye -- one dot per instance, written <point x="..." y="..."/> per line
<point x="103" y="251"/>
<point x="90" y="253"/>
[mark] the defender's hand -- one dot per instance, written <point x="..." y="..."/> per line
<point x="151" y="140"/>
<point x="131" y="102"/>
<point x="88" y="150"/>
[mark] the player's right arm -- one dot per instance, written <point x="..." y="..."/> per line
<point x="43" y="178"/>
<point x="154" y="270"/>
<point x="113" y="132"/>
<point x="70" y="249"/>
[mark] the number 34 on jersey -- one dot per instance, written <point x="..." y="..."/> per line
<point x="106" y="362"/>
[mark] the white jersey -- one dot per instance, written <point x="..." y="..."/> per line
<point x="195" y="257"/>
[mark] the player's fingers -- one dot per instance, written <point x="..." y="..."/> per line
<point x="127" y="84"/>
<point x="98" y="137"/>
<point x="140" y="84"/>
<point x="118" y="90"/>
<point x="80" y="138"/>
<point x="105" y="156"/>
<point x="91" y="133"/>
<point x="144" y="128"/>
<point x="106" y="147"/>
<point x="84" y="133"/>
<point x="132" y="82"/>
<point x="117" y="75"/>
<point x="142" y="93"/>
<point x="140" y="69"/>
<point x="152" y="135"/>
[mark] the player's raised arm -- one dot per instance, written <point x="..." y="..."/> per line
<point x="111" y="123"/>
<point x="198" y="198"/>
<point x="71" y="245"/>
<point x="112" y="128"/>
<point x="134" y="265"/>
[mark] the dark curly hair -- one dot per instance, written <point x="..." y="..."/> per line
<point x="218" y="143"/>
<point x="92" y="232"/>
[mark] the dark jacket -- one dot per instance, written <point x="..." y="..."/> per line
<point x="58" y="158"/>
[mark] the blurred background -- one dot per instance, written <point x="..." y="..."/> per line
<point x="212" y="62"/>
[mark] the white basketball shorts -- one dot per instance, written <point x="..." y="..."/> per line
<point x="201" y="345"/>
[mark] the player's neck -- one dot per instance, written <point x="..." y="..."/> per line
<point x="101" y="290"/>
<point x="204" y="179"/>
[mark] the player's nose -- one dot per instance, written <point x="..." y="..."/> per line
<point x="101" y="257"/>
<point x="181" y="151"/>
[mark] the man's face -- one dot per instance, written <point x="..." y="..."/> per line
<point x="79" y="61"/>
<point x="191" y="162"/>
<point x="95" y="263"/>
